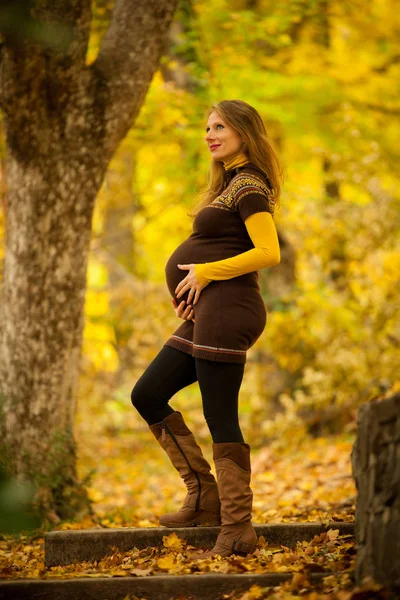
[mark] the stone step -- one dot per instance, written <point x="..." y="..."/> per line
<point x="74" y="546"/>
<point x="210" y="586"/>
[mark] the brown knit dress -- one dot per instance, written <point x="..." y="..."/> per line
<point x="230" y="314"/>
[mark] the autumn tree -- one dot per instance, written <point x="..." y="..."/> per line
<point x="63" y="120"/>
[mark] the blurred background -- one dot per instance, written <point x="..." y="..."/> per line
<point x="325" y="78"/>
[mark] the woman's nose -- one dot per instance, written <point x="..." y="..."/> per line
<point x="209" y="136"/>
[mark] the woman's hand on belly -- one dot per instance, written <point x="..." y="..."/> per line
<point x="183" y="313"/>
<point x="190" y="283"/>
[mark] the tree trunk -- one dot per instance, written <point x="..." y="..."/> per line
<point x="63" y="121"/>
<point x="376" y="470"/>
<point x="48" y="232"/>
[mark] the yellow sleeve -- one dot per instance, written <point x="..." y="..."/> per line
<point x="266" y="252"/>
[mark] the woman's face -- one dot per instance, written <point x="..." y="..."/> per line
<point x="223" y="141"/>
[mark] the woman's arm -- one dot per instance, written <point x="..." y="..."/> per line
<point x="266" y="252"/>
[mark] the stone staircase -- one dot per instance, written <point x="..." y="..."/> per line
<point x="75" y="546"/>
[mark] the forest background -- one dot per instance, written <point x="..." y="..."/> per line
<point x="325" y="78"/>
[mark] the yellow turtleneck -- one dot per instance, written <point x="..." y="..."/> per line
<point x="266" y="252"/>
<point x="237" y="161"/>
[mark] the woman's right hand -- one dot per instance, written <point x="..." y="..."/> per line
<point x="182" y="312"/>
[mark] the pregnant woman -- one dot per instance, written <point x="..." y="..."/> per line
<point x="213" y="280"/>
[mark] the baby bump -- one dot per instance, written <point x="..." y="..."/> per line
<point x="173" y="274"/>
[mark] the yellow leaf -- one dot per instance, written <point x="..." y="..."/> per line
<point x="166" y="562"/>
<point x="35" y="573"/>
<point x="262" y="541"/>
<point x="172" y="541"/>
<point x="299" y="581"/>
<point x="140" y="572"/>
<point x="332" y="534"/>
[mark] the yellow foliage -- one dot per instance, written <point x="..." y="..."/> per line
<point x="99" y="346"/>
<point x="166" y="562"/>
<point x="97" y="274"/>
<point x="98" y="332"/>
<point x="97" y="303"/>
<point x="172" y="541"/>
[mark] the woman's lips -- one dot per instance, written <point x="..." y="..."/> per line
<point x="214" y="147"/>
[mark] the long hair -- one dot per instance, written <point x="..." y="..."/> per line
<point x="249" y="125"/>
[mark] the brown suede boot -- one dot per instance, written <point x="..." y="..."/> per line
<point x="237" y="535"/>
<point x="201" y="505"/>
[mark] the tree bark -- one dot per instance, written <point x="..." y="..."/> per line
<point x="376" y="470"/>
<point x="63" y="121"/>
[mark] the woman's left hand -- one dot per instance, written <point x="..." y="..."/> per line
<point x="189" y="283"/>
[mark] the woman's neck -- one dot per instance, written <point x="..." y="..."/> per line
<point x="237" y="161"/>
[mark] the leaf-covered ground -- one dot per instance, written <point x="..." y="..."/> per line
<point x="312" y="482"/>
<point x="133" y="483"/>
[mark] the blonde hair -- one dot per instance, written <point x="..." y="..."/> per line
<point x="256" y="145"/>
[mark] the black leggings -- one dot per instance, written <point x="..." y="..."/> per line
<point x="171" y="370"/>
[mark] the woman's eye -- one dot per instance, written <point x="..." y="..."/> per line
<point x="218" y="125"/>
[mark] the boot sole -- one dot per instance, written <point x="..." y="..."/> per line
<point x="190" y="524"/>
<point x="177" y="525"/>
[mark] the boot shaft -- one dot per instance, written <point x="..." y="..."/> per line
<point x="186" y="456"/>
<point x="232" y="464"/>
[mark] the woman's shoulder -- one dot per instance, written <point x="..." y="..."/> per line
<point x="250" y="176"/>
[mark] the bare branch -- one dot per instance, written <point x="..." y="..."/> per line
<point x="128" y="57"/>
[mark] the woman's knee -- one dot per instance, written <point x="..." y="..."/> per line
<point x="150" y="405"/>
<point x="144" y="403"/>
<point x="140" y="395"/>
<point x="148" y="398"/>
